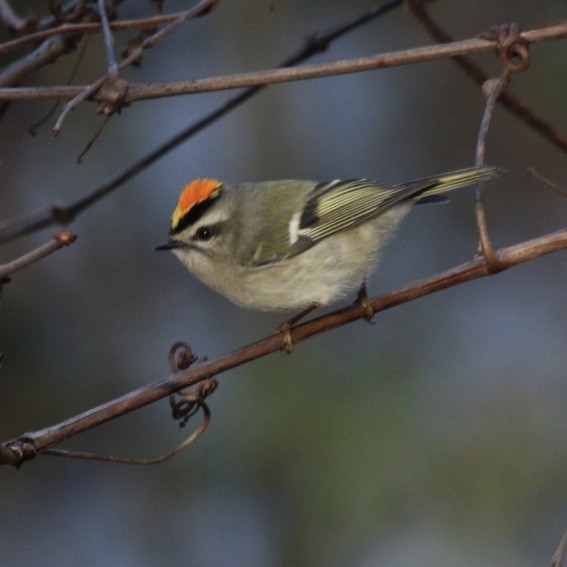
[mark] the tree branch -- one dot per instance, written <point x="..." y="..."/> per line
<point x="48" y="52"/>
<point x="282" y="75"/>
<point x="558" y="558"/>
<point x="28" y="445"/>
<point x="60" y="239"/>
<point x="88" y="27"/>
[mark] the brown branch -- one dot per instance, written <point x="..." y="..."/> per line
<point x="60" y="239"/>
<point x="493" y="89"/>
<point x="558" y="558"/>
<point x="63" y="214"/>
<point x="532" y="172"/>
<point x="282" y="75"/>
<point x="90" y="27"/>
<point x="28" y="445"/>
<point x="110" y="106"/>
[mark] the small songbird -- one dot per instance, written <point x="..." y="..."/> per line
<point x="290" y="244"/>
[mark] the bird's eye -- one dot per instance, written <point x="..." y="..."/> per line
<point x="205" y="233"/>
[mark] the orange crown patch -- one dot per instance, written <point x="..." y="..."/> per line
<point x="195" y="192"/>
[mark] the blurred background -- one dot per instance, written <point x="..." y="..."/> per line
<point x="435" y="437"/>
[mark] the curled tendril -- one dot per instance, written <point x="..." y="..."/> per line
<point x="133" y="461"/>
<point x="513" y="49"/>
<point x="184" y="405"/>
<point x="187" y="403"/>
<point x="191" y="401"/>
<point x="180" y="356"/>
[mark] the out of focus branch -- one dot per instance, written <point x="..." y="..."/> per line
<point x="60" y="239"/>
<point x="49" y="51"/>
<point x="10" y="18"/>
<point x="558" y="558"/>
<point x="88" y="27"/>
<point x="510" y="101"/>
<point x="28" y="445"/>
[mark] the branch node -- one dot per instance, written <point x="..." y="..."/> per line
<point x="62" y="215"/>
<point x="316" y="43"/>
<point x="17" y="452"/>
<point x="492" y="262"/>
<point x="512" y="49"/>
<point x="65" y="237"/>
<point x="112" y="96"/>
<point x="187" y="403"/>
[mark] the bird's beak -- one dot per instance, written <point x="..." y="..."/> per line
<point x="169" y="246"/>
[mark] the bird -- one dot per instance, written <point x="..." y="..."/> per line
<point x="294" y="244"/>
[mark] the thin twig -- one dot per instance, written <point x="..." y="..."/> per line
<point x="558" y="558"/>
<point x="279" y="75"/>
<point x="187" y="442"/>
<point x="48" y="52"/>
<point x="514" y="55"/>
<point x="9" y="16"/>
<point x="82" y="50"/>
<point x="28" y="445"/>
<point x="204" y="6"/>
<point x="63" y="214"/>
<point x="532" y="172"/>
<point x="494" y="87"/>
<point x="112" y="72"/>
<point x="88" y="27"/>
<point x="60" y="239"/>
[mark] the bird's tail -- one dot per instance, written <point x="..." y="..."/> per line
<point x="453" y="180"/>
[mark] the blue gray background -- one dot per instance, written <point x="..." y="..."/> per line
<point x="436" y="437"/>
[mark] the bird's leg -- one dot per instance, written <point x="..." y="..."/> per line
<point x="362" y="300"/>
<point x="285" y="328"/>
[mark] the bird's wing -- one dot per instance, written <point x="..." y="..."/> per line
<point x="329" y="208"/>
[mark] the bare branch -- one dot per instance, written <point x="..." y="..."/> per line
<point x="114" y="102"/>
<point x="60" y="239"/>
<point x="48" y="52"/>
<point x="493" y="88"/>
<point x="546" y="182"/>
<point x="282" y="75"/>
<point x="558" y="558"/>
<point x="10" y="17"/>
<point x="88" y="27"/>
<point x="108" y="42"/>
<point x="28" y="445"/>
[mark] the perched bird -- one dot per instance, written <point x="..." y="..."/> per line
<point x="291" y="244"/>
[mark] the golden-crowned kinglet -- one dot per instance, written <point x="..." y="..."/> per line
<point x="290" y="244"/>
